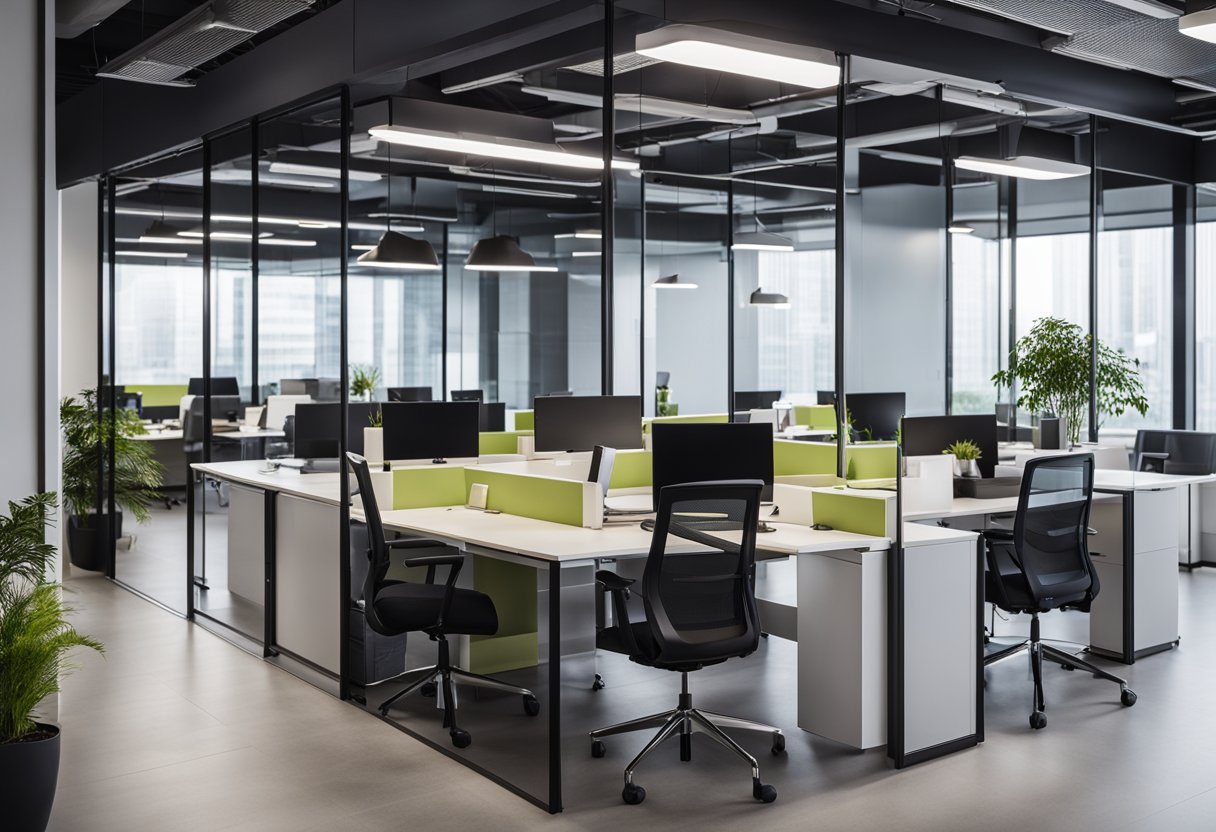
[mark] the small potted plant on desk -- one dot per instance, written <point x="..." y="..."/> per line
<point x="35" y="636"/>
<point x="966" y="458"/>
<point x="373" y="437"/>
<point x="89" y="437"/>
<point x="363" y="381"/>
<point x="1050" y="366"/>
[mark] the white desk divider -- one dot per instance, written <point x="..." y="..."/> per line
<point x="928" y="482"/>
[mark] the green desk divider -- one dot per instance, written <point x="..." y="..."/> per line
<point x="856" y="513"/>
<point x="631" y="469"/>
<point x="159" y="395"/>
<point x="541" y="498"/>
<point x="815" y="416"/>
<point x="791" y="457"/>
<point x="500" y="442"/>
<point x="525" y="420"/>
<point x="691" y="419"/>
<point x="512" y="587"/>
<point x="870" y="462"/>
<point x="422" y="487"/>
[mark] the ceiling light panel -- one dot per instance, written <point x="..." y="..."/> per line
<point x="718" y="50"/>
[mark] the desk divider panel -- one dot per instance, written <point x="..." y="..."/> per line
<point x="815" y="416"/>
<point x="871" y="462"/>
<point x="871" y="513"/>
<point x="525" y="420"/>
<point x="541" y="498"/>
<point x="499" y="442"/>
<point x="632" y="469"/>
<point x="427" y="487"/>
<point x="791" y="458"/>
<point x="692" y="419"/>
<point x="159" y="395"/>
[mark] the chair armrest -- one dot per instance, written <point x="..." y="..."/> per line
<point x="416" y="543"/>
<point x="612" y="581"/>
<point x="434" y="560"/>
<point x="996" y="534"/>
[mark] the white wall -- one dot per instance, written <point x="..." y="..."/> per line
<point x="896" y="311"/>
<point x="78" y="288"/>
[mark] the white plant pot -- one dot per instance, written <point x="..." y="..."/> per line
<point x="966" y="468"/>
<point x="373" y="445"/>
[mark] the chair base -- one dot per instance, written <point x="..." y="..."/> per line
<point x="440" y="681"/>
<point x="1037" y="651"/>
<point x="685" y="720"/>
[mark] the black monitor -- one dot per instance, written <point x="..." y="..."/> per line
<point x="317" y="427"/>
<point x="410" y="394"/>
<point x="825" y="397"/>
<point x="561" y="393"/>
<point x="220" y="386"/>
<point x="359" y="417"/>
<point x="160" y="412"/>
<point x="579" y="423"/>
<point x="929" y="435"/>
<point x="493" y="416"/>
<point x="430" y="430"/>
<point x="468" y="395"/>
<point x="875" y="415"/>
<point x="755" y="399"/>
<point x="704" y="452"/>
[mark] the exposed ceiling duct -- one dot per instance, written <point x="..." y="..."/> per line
<point x="75" y="17"/>
<point x="210" y="30"/>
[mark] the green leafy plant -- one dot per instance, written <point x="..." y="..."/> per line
<point x="87" y="437"/>
<point x="363" y="379"/>
<point x="1050" y="367"/>
<point x="375" y="419"/>
<point x="35" y="636"/>
<point x="964" y="450"/>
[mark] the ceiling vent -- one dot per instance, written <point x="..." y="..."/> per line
<point x="205" y="33"/>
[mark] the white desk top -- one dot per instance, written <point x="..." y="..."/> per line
<point x="233" y="435"/>
<point x="322" y="487"/>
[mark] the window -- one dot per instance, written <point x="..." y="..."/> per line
<point x="977" y="308"/>
<point x="796" y="347"/>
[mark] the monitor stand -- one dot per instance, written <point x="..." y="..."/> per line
<point x="439" y="461"/>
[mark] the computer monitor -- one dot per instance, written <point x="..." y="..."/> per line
<point x="299" y="387"/>
<point x="876" y="415"/>
<point x="160" y="412"/>
<point x="929" y="435"/>
<point x="468" y="396"/>
<point x="579" y="423"/>
<point x="705" y="452"/>
<point x="220" y="386"/>
<point x="317" y="426"/>
<point x="755" y="399"/>
<point x="328" y="390"/>
<point x="410" y="394"/>
<point x="825" y="397"/>
<point x="430" y="430"/>
<point x="223" y="409"/>
<point x="561" y="393"/>
<point x="493" y="416"/>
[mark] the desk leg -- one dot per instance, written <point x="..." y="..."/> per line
<point x="555" y="688"/>
<point x="1129" y="578"/>
<point x="270" y="532"/>
<point x="190" y="509"/>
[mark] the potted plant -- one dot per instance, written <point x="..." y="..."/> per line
<point x="88" y="440"/>
<point x="363" y="381"/>
<point x="1050" y="366"/>
<point x="35" y="637"/>
<point x="966" y="458"/>
<point x="373" y="438"/>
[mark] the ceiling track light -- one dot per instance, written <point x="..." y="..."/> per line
<point x="721" y="51"/>
<point x="772" y="300"/>
<point x="672" y="281"/>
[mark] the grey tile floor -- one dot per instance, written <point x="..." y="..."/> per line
<point x="175" y="729"/>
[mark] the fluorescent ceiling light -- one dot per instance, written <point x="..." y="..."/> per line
<point x="761" y="241"/>
<point x="129" y="211"/>
<point x="672" y="281"/>
<point x="497" y="148"/>
<point x="224" y="235"/>
<point x="960" y="228"/>
<point x="713" y="49"/>
<point x="1152" y="8"/>
<point x="286" y="241"/>
<point x="168" y="255"/>
<point x="579" y="235"/>
<point x="1200" y="25"/>
<point x="362" y="247"/>
<point x="177" y="241"/>
<point x="584" y="254"/>
<point x="506" y="189"/>
<point x="322" y="171"/>
<point x="1026" y="167"/>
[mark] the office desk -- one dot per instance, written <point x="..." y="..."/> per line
<point x="167" y="448"/>
<point x="1135" y="553"/>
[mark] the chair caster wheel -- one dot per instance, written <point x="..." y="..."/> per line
<point x="1128" y="697"/>
<point x="429" y="690"/>
<point x="531" y="705"/>
<point x="598" y="749"/>
<point x="1067" y="667"/>
<point x="1038" y="720"/>
<point x="382" y="710"/>
<point x="633" y="795"/>
<point x="778" y="744"/>
<point x="763" y="793"/>
<point x="598" y="684"/>
<point x="362" y="700"/>
<point x="461" y="738"/>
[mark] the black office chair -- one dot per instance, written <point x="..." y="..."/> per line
<point x="700" y="611"/>
<point x="393" y="608"/>
<point x="1043" y="564"/>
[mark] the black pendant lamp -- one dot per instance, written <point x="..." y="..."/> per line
<point x="773" y="300"/>
<point x="397" y="251"/>
<point x="502" y="254"/>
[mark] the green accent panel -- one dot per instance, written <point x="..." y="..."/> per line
<point x="791" y="458"/>
<point x="541" y="498"/>
<point x="713" y="418"/>
<point x="159" y="395"/>
<point x="850" y="512"/>
<point x="870" y="462"/>
<point x="525" y="420"/>
<point x="632" y="469"/>
<point x="512" y="587"/>
<point x="439" y="485"/>
<point x="815" y="416"/>
<point x="498" y="442"/>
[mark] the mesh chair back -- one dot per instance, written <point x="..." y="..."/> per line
<point x="702" y="605"/>
<point x="1050" y="530"/>
<point x="377" y="552"/>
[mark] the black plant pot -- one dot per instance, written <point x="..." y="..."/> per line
<point x="29" y="771"/>
<point x="87" y="543"/>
